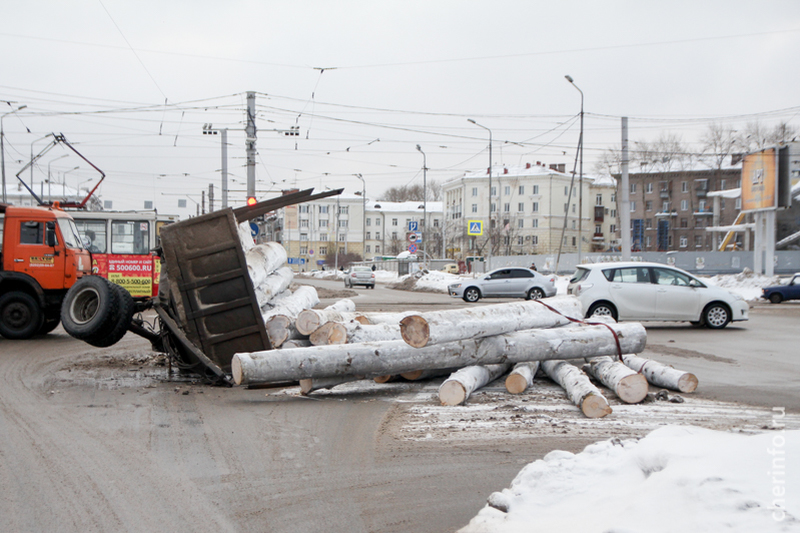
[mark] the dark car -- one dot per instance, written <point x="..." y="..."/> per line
<point x="779" y="293"/>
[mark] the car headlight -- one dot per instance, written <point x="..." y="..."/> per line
<point x="457" y="285"/>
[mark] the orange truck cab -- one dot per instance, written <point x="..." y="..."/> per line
<point x="42" y="257"/>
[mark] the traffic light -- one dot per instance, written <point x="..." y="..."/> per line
<point x="251" y="200"/>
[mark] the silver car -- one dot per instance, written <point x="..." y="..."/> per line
<point x="509" y="282"/>
<point x="360" y="275"/>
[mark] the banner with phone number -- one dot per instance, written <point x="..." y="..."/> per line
<point x="138" y="274"/>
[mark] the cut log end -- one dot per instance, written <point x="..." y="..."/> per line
<point x="383" y="379"/>
<point x="236" y="370"/>
<point x="516" y="384"/>
<point x="595" y="406"/>
<point x="413" y="375"/>
<point x="306" y="386"/>
<point x="307" y="321"/>
<point x="452" y="393"/>
<point x="632" y="389"/>
<point x="361" y="319"/>
<point x="415" y="331"/>
<point x="329" y="333"/>
<point x="687" y="383"/>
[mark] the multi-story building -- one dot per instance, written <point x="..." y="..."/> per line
<point x="670" y="210"/>
<point x="524" y="213"/>
<point x="388" y="225"/>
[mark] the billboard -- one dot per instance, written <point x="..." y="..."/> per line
<point x="760" y="180"/>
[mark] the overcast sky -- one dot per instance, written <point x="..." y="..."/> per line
<point x="131" y="83"/>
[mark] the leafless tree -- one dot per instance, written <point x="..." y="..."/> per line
<point x="719" y="143"/>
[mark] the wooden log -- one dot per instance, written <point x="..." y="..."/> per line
<point x="382" y="318"/>
<point x="310" y="319"/>
<point x="328" y="333"/>
<point x="296" y="343"/>
<point x="245" y="236"/>
<point x="305" y="297"/>
<point x="457" y="388"/>
<point x="273" y="285"/>
<point x="280" y="328"/>
<point x="629" y="386"/>
<point x="308" y="386"/>
<point x="385" y="379"/>
<point x="357" y="332"/>
<point x="579" y="389"/>
<point x="396" y="357"/>
<point x="521" y="377"/>
<point x="662" y="375"/>
<point x="418" y="375"/>
<point x="264" y="259"/>
<point x="437" y="327"/>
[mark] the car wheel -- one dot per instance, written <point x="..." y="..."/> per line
<point x="20" y="315"/>
<point x="602" y="309"/>
<point x="472" y="295"/>
<point x="122" y="318"/>
<point x="49" y="325"/>
<point x="89" y="307"/>
<point x="775" y="298"/>
<point x="716" y="316"/>
<point x="535" y="294"/>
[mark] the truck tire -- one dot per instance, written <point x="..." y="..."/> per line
<point x="20" y="315"/>
<point x="49" y="325"/>
<point x="123" y="315"/>
<point x="89" y="308"/>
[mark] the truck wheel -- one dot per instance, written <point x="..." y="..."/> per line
<point x="49" y="325"/>
<point x="20" y="315"/>
<point x="88" y="308"/>
<point x="123" y="314"/>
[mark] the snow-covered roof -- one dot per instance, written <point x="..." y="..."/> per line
<point x="727" y="193"/>
<point x="397" y="207"/>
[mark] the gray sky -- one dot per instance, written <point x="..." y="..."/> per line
<point x="131" y="84"/>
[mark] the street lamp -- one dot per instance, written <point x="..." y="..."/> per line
<point x="580" y="174"/>
<point x="209" y="130"/>
<point x="3" y="147"/>
<point x="424" y="201"/>
<point x="489" y="257"/>
<point x="363" y="215"/>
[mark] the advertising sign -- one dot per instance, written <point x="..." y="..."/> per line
<point x="138" y="274"/>
<point x="759" y="181"/>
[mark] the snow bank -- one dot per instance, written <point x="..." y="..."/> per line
<point x="677" y="478"/>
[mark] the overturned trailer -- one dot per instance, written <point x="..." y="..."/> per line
<point x="206" y="305"/>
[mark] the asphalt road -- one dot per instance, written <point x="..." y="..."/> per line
<point x="96" y="440"/>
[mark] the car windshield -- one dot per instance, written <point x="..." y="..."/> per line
<point x="580" y="275"/>
<point x="70" y="233"/>
<point x="361" y="269"/>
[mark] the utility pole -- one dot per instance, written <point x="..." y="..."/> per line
<point x="250" y="143"/>
<point x="210" y="197"/>
<point x="625" y="200"/>
<point x="489" y="255"/>
<point x="3" y="146"/>
<point x="580" y="182"/>
<point x="424" y="203"/>
<point x="208" y="129"/>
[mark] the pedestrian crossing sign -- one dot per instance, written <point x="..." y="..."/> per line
<point x="475" y="227"/>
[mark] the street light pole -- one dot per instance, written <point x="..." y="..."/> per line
<point x="580" y="174"/>
<point x="49" y="179"/>
<point x="3" y="147"/>
<point x="363" y="215"/>
<point x="489" y="255"/>
<point x="424" y="202"/>
<point x="208" y="129"/>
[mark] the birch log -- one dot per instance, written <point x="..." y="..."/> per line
<point x="357" y="332"/>
<point x="661" y="375"/>
<point x="296" y="343"/>
<point x="382" y="318"/>
<point x="628" y="385"/>
<point x="310" y="319"/>
<point x="418" y="375"/>
<point x="437" y="327"/>
<point x="328" y="333"/>
<point x="395" y="357"/>
<point x="310" y="385"/>
<point x="264" y="259"/>
<point x="280" y="328"/>
<point x="245" y="236"/>
<point x="273" y="285"/>
<point x="305" y="297"/>
<point x="521" y="377"/>
<point x="579" y="389"/>
<point x="457" y="388"/>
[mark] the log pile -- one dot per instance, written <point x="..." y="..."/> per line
<point x="474" y="346"/>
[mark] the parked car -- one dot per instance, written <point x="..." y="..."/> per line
<point x="513" y="282"/>
<point x="450" y="268"/>
<point x="779" y="293"/>
<point x="652" y="291"/>
<point x="359" y="275"/>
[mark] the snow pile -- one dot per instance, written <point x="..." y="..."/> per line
<point x="746" y="283"/>
<point x="436" y="281"/>
<point x="677" y="478"/>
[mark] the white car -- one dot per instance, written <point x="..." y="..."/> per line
<point x="509" y="282"/>
<point x="652" y="291"/>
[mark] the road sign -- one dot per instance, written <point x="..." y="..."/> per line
<point x="412" y="237"/>
<point x="296" y="261"/>
<point x="253" y="229"/>
<point x="475" y="227"/>
<point x="412" y="248"/>
<point x="311" y="252"/>
<point x="413" y="225"/>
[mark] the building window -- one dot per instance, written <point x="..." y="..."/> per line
<point x="304" y="222"/>
<point x="535" y="189"/>
<point x="323" y="250"/>
<point x="613" y="213"/>
<point x="520" y="223"/>
<point x="684" y="222"/>
<point x="474" y="191"/>
<point x="648" y="223"/>
<point x="304" y="236"/>
<point x="435" y="222"/>
<point x="343" y="223"/>
<point x="684" y="186"/>
<point x="344" y="209"/>
<point x="738" y="204"/>
<point x="494" y="191"/>
<point x="701" y="206"/>
<point x="535" y="207"/>
<point x="612" y="228"/>
<point x="377" y="249"/>
<point x="507" y="190"/>
<point x="534" y="239"/>
<point x="573" y="208"/>
<point x="698" y="241"/>
<point x="684" y="205"/>
<point x="323" y="223"/>
<point x="521" y="189"/>
<point x="506" y="208"/>
<point x="369" y="222"/>
<point x="394" y="235"/>
<point x="665" y="207"/>
<point x="474" y="208"/>
<point x="369" y="235"/>
<point x="323" y="210"/>
<point x="368" y="249"/>
<point x="520" y="240"/>
<point x="493" y="207"/>
<point x="722" y="185"/>
<point x="377" y="222"/>
<point x="394" y="222"/>
<point x="598" y="200"/>
<point x="722" y="203"/>
<point x="343" y="236"/>
<point x="647" y="241"/>
<point x="573" y="241"/>
<point x="598" y="229"/>
<point x="304" y="250"/>
<point x="566" y="208"/>
<point x="613" y="197"/>
<point x="323" y="237"/>
<point x="683" y="241"/>
<point x="535" y="223"/>
<point x="633" y="187"/>
<point x="304" y="208"/>
<point x="521" y="207"/>
<point x="648" y="205"/>
<point x="566" y="190"/>
<point x="633" y="205"/>
<point x="649" y="187"/>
